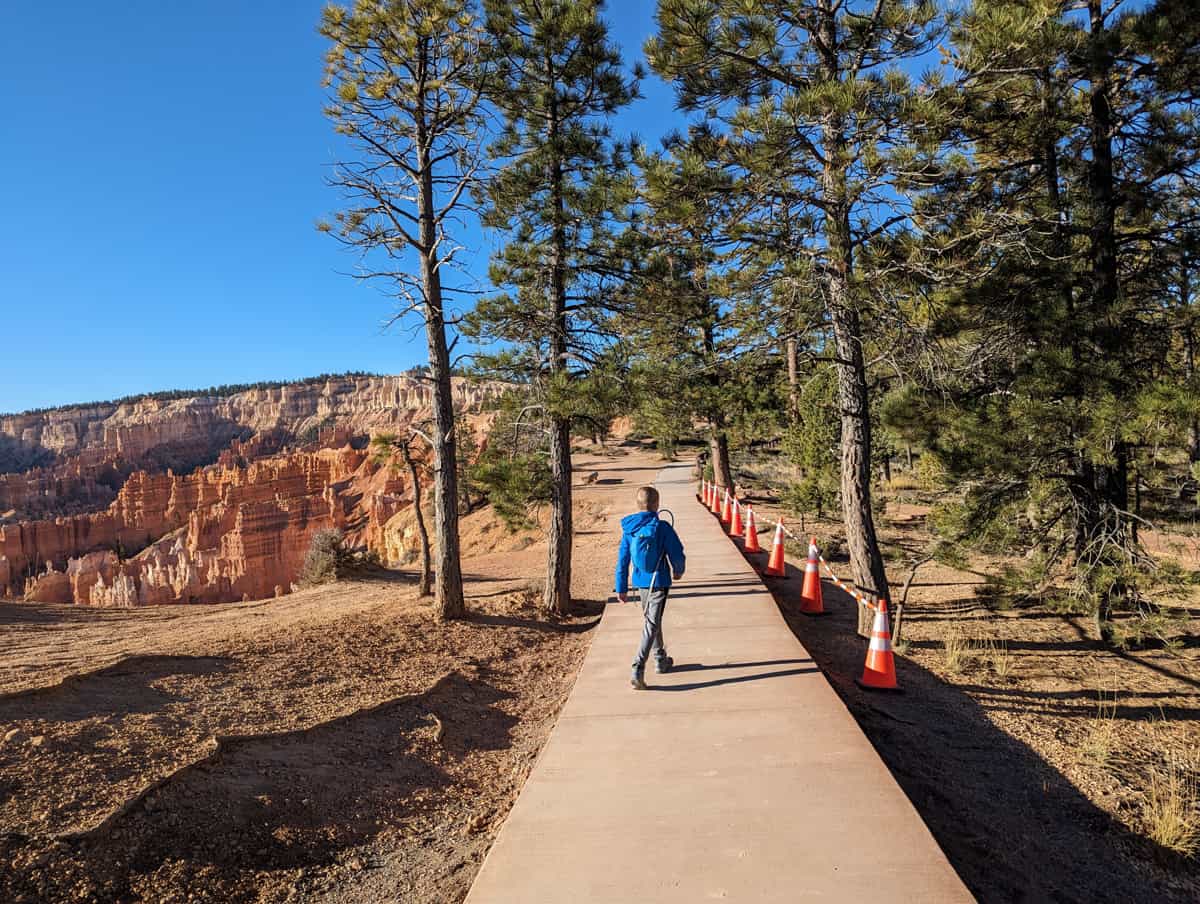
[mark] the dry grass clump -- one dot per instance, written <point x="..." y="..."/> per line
<point x="962" y="651"/>
<point x="764" y="472"/>
<point x="1171" y="810"/>
<point x="998" y="657"/>
<point x="905" y="480"/>
<point x="1100" y="737"/>
<point x="956" y="650"/>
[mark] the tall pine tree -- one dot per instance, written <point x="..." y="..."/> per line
<point x="811" y="93"/>
<point x="680" y="321"/>
<point x="561" y="187"/>
<point x="407" y="82"/>
<point x="1041" y="238"/>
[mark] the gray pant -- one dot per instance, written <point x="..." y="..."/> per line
<point x="653" y="603"/>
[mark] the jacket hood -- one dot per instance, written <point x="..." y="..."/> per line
<point x="630" y="523"/>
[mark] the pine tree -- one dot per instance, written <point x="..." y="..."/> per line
<point x="406" y="86"/>
<point x="811" y="95"/>
<point x="467" y="447"/>
<point x="680" y="321"/>
<point x="560" y="185"/>
<point x="1044" y="237"/>
<point x="811" y="442"/>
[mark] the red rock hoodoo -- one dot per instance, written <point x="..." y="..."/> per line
<point x="105" y="523"/>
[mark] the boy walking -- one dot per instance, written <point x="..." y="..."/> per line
<point x="653" y="549"/>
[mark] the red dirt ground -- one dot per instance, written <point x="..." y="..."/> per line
<point x="1031" y="758"/>
<point x="336" y="744"/>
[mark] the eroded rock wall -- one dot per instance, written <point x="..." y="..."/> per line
<point x="288" y="462"/>
<point x="134" y="429"/>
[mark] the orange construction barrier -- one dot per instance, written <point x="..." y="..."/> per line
<point x="726" y="509"/>
<point x="811" y="602"/>
<point x="775" y="566"/>
<point x="735" y="521"/>
<point x="751" y="537"/>
<point x="879" y="673"/>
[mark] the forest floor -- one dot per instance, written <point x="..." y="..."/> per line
<point x="337" y="744"/>
<point x="1040" y="761"/>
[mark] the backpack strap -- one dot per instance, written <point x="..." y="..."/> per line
<point x="662" y="555"/>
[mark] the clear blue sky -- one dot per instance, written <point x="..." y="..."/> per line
<point x="161" y="169"/>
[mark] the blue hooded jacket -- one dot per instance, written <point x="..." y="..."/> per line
<point x="669" y="543"/>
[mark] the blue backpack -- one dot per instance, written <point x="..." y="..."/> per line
<point x="645" y="550"/>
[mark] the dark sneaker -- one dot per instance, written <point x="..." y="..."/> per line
<point x="664" y="665"/>
<point x="636" y="682"/>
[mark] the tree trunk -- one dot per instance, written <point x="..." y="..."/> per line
<point x="448" y="586"/>
<point x="866" y="561"/>
<point x="719" y="444"/>
<point x="557" y="596"/>
<point x="464" y="489"/>
<point x="1110" y="488"/>
<point x="1137" y="504"/>
<point x="422" y="533"/>
<point x="793" y="379"/>
<point x="1189" y="368"/>
<point x="558" y="565"/>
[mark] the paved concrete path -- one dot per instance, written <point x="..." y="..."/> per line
<point x="740" y="776"/>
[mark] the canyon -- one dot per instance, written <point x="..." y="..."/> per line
<point x="205" y="498"/>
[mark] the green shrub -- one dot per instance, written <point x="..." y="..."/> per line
<point x="514" y="485"/>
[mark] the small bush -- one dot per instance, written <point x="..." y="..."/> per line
<point x="930" y="472"/>
<point x="810" y="495"/>
<point x="327" y="560"/>
<point x="1144" y="629"/>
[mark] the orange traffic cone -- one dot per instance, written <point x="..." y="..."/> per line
<point x="751" y="537"/>
<point x="775" y="566"/>
<point x="714" y="504"/>
<point x="702" y="488"/>
<point x="735" y="521"/>
<point x="879" y="673"/>
<point x="704" y="492"/>
<point x="811" y="602"/>
<point x="726" y="510"/>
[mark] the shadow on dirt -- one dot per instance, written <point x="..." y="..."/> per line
<point x="1012" y="825"/>
<point x="268" y="803"/>
<point x="121" y="689"/>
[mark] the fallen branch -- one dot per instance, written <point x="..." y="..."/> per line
<point x="904" y="596"/>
